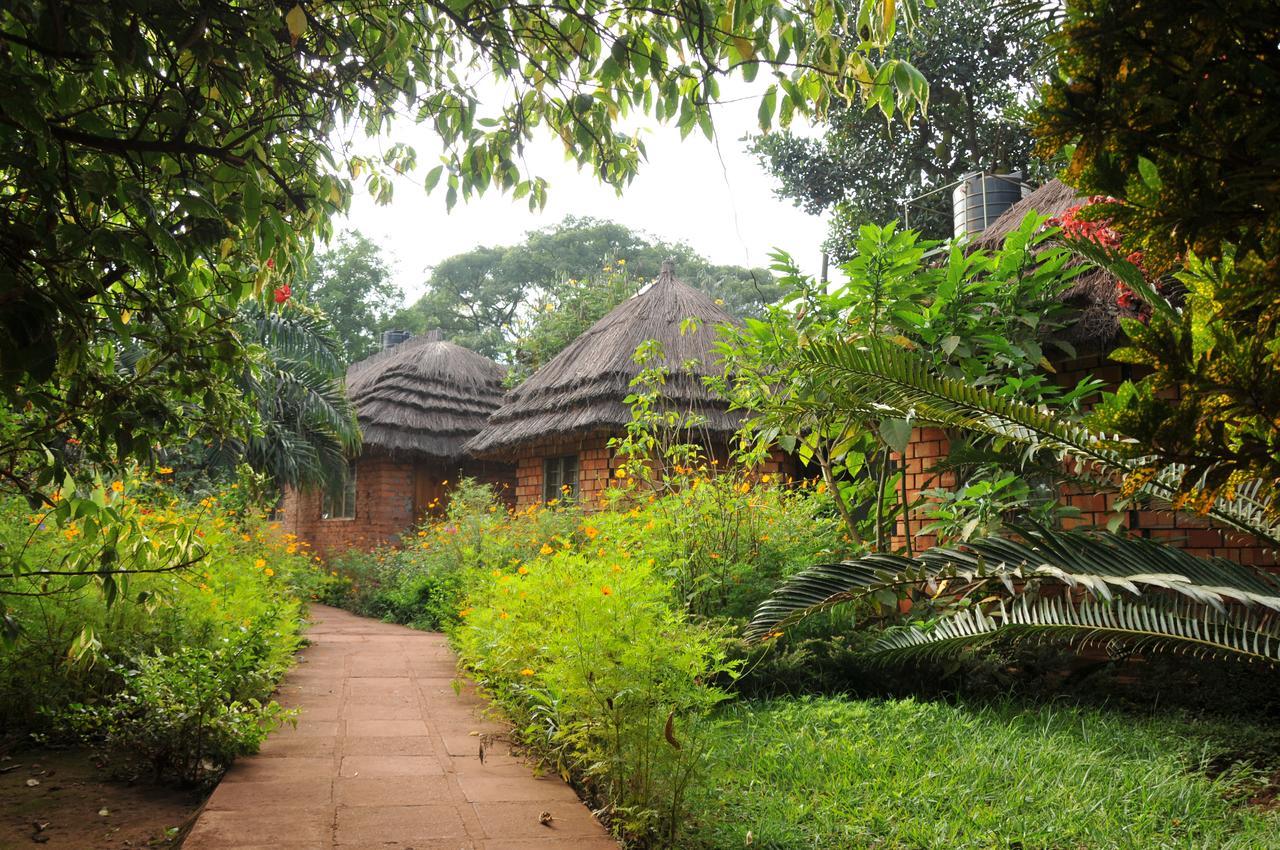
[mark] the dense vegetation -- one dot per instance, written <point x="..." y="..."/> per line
<point x="175" y="679"/>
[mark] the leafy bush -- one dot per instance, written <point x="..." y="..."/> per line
<point x="721" y="542"/>
<point x="602" y="674"/>
<point x="169" y="672"/>
<point x="189" y="714"/>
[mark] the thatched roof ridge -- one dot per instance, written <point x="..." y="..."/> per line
<point x="424" y="396"/>
<point x="582" y="388"/>
<point x="1092" y="293"/>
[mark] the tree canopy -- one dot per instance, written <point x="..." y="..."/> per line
<point x="350" y="283"/>
<point x="980" y="63"/>
<point x="523" y="303"/>
<point x="162" y="162"/>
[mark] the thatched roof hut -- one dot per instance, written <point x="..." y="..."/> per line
<point x="1092" y="293"/>
<point x="424" y="397"/>
<point x="582" y="388"/>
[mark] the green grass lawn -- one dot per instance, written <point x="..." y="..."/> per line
<point x="839" y="773"/>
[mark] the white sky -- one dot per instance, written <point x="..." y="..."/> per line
<point x="712" y="195"/>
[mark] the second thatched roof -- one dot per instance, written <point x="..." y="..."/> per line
<point x="582" y="388"/>
<point x="424" y="397"/>
<point x="1092" y="293"/>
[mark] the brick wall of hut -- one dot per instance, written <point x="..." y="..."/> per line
<point x="1195" y="535"/>
<point x="598" y="465"/>
<point x="392" y="495"/>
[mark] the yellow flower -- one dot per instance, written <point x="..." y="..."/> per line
<point x="546" y="549"/>
<point x="292" y="548"/>
<point x="526" y="672"/>
<point x="268" y="571"/>
<point x="246" y="538"/>
<point x="165" y="470"/>
<point x="524" y="571"/>
<point x="621" y="473"/>
<point x="591" y="532"/>
<point x="464" y="612"/>
<point x="260" y="563"/>
<point x="504" y="615"/>
<point x="600" y="552"/>
<point x="117" y="486"/>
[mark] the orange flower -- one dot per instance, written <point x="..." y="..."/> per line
<point x="269" y="572"/>
<point x="526" y="672"/>
<point x="504" y="615"/>
<point x="260" y="563"/>
<point x="591" y="532"/>
<point x="546" y="549"/>
<point x="606" y="590"/>
<point x="524" y="571"/>
<point x="117" y="486"/>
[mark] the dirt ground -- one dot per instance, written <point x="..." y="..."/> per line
<point x="61" y="800"/>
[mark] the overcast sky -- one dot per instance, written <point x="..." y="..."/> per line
<point x="712" y="195"/>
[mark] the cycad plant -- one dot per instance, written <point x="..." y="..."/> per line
<point x="1080" y="585"/>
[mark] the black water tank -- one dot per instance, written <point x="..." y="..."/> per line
<point x="390" y="339"/>
<point x="981" y="198"/>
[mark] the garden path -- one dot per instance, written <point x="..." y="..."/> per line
<point x="388" y="754"/>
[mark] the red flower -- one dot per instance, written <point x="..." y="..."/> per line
<point x="271" y="262"/>
<point x="282" y="293"/>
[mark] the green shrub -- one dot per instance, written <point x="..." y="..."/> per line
<point x="186" y="715"/>
<point x="602" y="674"/>
<point x="230" y="622"/>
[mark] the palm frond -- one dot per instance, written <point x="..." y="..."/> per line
<point x="878" y="375"/>
<point x="1094" y="565"/>
<point x="1152" y="625"/>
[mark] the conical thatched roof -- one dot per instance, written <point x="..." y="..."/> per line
<point x="582" y="388"/>
<point x="424" y="396"/>
<point x="1092" y="293"/>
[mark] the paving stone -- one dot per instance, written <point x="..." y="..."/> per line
<point x="218" y="830"/>
<point x="518" y="821"/>
<point x="304" y="745"/>
<point x="237" y="796"/>
<point x="508" y="789"/>
<point x="391" y="766"/>
<point x="292" y="767"/>
<point x="409" y="824"/>
<point x="392" y="790"/>
<point x="386" y="728"/>
<point x="418" y="745"/>
<point x="382" y="711"/>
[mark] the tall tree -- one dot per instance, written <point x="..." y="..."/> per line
<point x="981" y="64"/>
<point x="351" y="283"/>
<point x="490" y="299"/>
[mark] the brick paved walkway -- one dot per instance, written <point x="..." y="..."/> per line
<point x="387" y="754"/>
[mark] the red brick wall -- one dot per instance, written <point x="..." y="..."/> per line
<point x="392" y="494"/>
<point x="1191" y="533"/>
<point x="597" y="466"/>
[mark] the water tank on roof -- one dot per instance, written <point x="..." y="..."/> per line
<point x="981" y="198"/>
<point x="390" y="339"/>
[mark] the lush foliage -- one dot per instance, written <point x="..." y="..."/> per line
<point x="981" y="63"/>
<point x="986" y="319"/>
<point x="1148" y="134"/>
<point x="523" y="303"/>
<point x="176" y="676"/>
<point x="349" y="282"/>
<point x="908" y="774"/>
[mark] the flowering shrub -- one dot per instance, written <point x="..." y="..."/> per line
<point x="228" y="605"/>
<point x="601" y="673"/>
